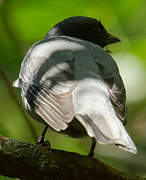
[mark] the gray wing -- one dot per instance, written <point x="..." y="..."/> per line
<point x="110" y="73"/>
<point x="47" y="81"/>
<point x="47" y="84"/>
<point x="55" y="109"/>
<point x="52" y="100"/>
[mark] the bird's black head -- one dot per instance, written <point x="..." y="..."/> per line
<point x="85" y="28"/>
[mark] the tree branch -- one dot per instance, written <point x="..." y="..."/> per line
<point x="30" y="161"/>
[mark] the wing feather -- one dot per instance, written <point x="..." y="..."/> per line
<point x="52" y="108"/>
<point x="116" y="90"/>
<point x="51" y="99"/>
<point x="118" y="97"/>
<point x="34" y="106"/>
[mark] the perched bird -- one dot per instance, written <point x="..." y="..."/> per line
<point x="70" y="83"/>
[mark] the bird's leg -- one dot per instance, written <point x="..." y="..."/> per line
<point x="41" y="138"/>
<point x="91" y="152"/>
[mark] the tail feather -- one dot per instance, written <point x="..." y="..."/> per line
<point x="107" y="132"/>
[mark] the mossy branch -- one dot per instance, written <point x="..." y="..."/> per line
<point x="30" y="161"/>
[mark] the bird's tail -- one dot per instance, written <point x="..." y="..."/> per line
<point x="107" y="131"/>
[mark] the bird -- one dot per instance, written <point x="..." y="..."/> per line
<point x="72" y="85"/>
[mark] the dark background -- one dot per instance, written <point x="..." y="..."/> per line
<point x="23" y="22"/>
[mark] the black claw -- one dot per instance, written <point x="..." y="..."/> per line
<point x="46" y="143"/>
<point x="91" y="152"/>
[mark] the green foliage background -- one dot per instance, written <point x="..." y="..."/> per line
<point x="24" y="22"/>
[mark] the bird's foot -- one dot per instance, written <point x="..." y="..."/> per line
<point x="45" y="143"/>
<point x="41" y="141"/>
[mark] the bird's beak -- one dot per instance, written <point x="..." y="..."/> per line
<point x="111" y="39"/>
